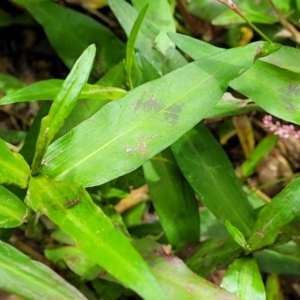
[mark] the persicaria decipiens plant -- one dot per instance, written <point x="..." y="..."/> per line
<point x="282" y="130"/>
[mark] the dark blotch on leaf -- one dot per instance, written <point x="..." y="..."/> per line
<point x="151" y="104"/>
<point x="171" y="115"/>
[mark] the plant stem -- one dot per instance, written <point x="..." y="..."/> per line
<point x="235" y="8"/>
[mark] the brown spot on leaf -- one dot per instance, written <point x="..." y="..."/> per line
<point x="141" y="147"/>
<point x="210" y="80"/>
<point x="151" y="104"/>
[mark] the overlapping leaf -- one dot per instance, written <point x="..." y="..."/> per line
<point x="173" y="199"/>
<point x="209" y="171"/>
<point x="71" y="208"/>
<point x="279" y="212"/>
<point x="274" y="89"/>
<point x="63" y="104"/>
<point x="244" y="280"/>
<point x="185" y="284"/>
<point x="165" y="58"/>
<point x="30" y="279"/>
<point x="148" y="119"/>
<point x="12" y="209"/>
<point x="71" y="32"/>
<point x="48" y="90"/>
<point x="213" y="255"/>
<point x="13" y="168"/>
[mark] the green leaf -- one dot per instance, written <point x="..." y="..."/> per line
<point x="116" y="76"/>
<point x="107" y="290"/>
<point x="13" y="168"/>
<point x="271" y="261"/>
<point x="206" y="9"/>
<point x="237" y="235"/>
<point x="259" y="152"/>
<point x="214" y="255"/>
<point x="12" y="210"/>
<point x="173" y="199"/>
<point x="71" y="32"/>
<point x="130" y="45"/>
<point x="28" y="149"/>
<point x="62" y="237"/>
<point x="285" y="58"/>
<point x="163" y="60"/>
<point x="76" y="260"/>
<point x="244" y="280"/>
<point x="13" y="136"/>
<point x="5" y="20"/>
<point x="279" y="212"/>
<point x="63" y="104"/>
<point x="274" y="89"/>
<point x="48" y="90"/>
<point x="209" y="171"/>
<point x="196" y="49"/>
<point x="71" y="208"/>
<point x="273" y="289"/>
<point x="230" y="106"/>
<point x="160" y="15"/>
<point x="144" y="122"/>
<point x="175" y="278"/>
<point x="256" y="12"/>
<point x="9" y="83"/>
<point x="211" y="227"/>
<point x="30" y="279"/>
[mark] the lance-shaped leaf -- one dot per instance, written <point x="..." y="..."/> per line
<point x="76" y="260"/>
<point x="71" y="208"/>
<point x="176" y="279"/>
<point x="130" y="58"/>
<point x="209" y="171"/>
<point x="274" y="89"/>
<point x="213" y="255"/>
<point x="244" y="280"/>
<point x="71" y="32"/>
<point x="271" y="261"/>
<point x="160" y="13"/>
<point x="279" y="212"/>
<point x="261" y="80"/>
<point x="48" y="90"/>
<point x="173" y="199"/>
<point x="13" y="168"/>
<point x="30" y="279"/>
<point x="273" y="289"/>
<point x="63" y="104"/>
<point x="236" y="235"/>
<point x="163" y="57"/>
<point x="260" y="151"/>
<point x="8" y="83"/>
<point x="12" y="209"/>
<point x="196" y="49"/>
<point x="148" y="119"/>
<point x="229" y="106"/>
<point x="286" y="58"/>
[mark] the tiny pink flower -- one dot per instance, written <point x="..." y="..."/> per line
<point x="277" y="128"/>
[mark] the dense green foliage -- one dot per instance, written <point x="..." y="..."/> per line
<point x="133" y="114"/>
